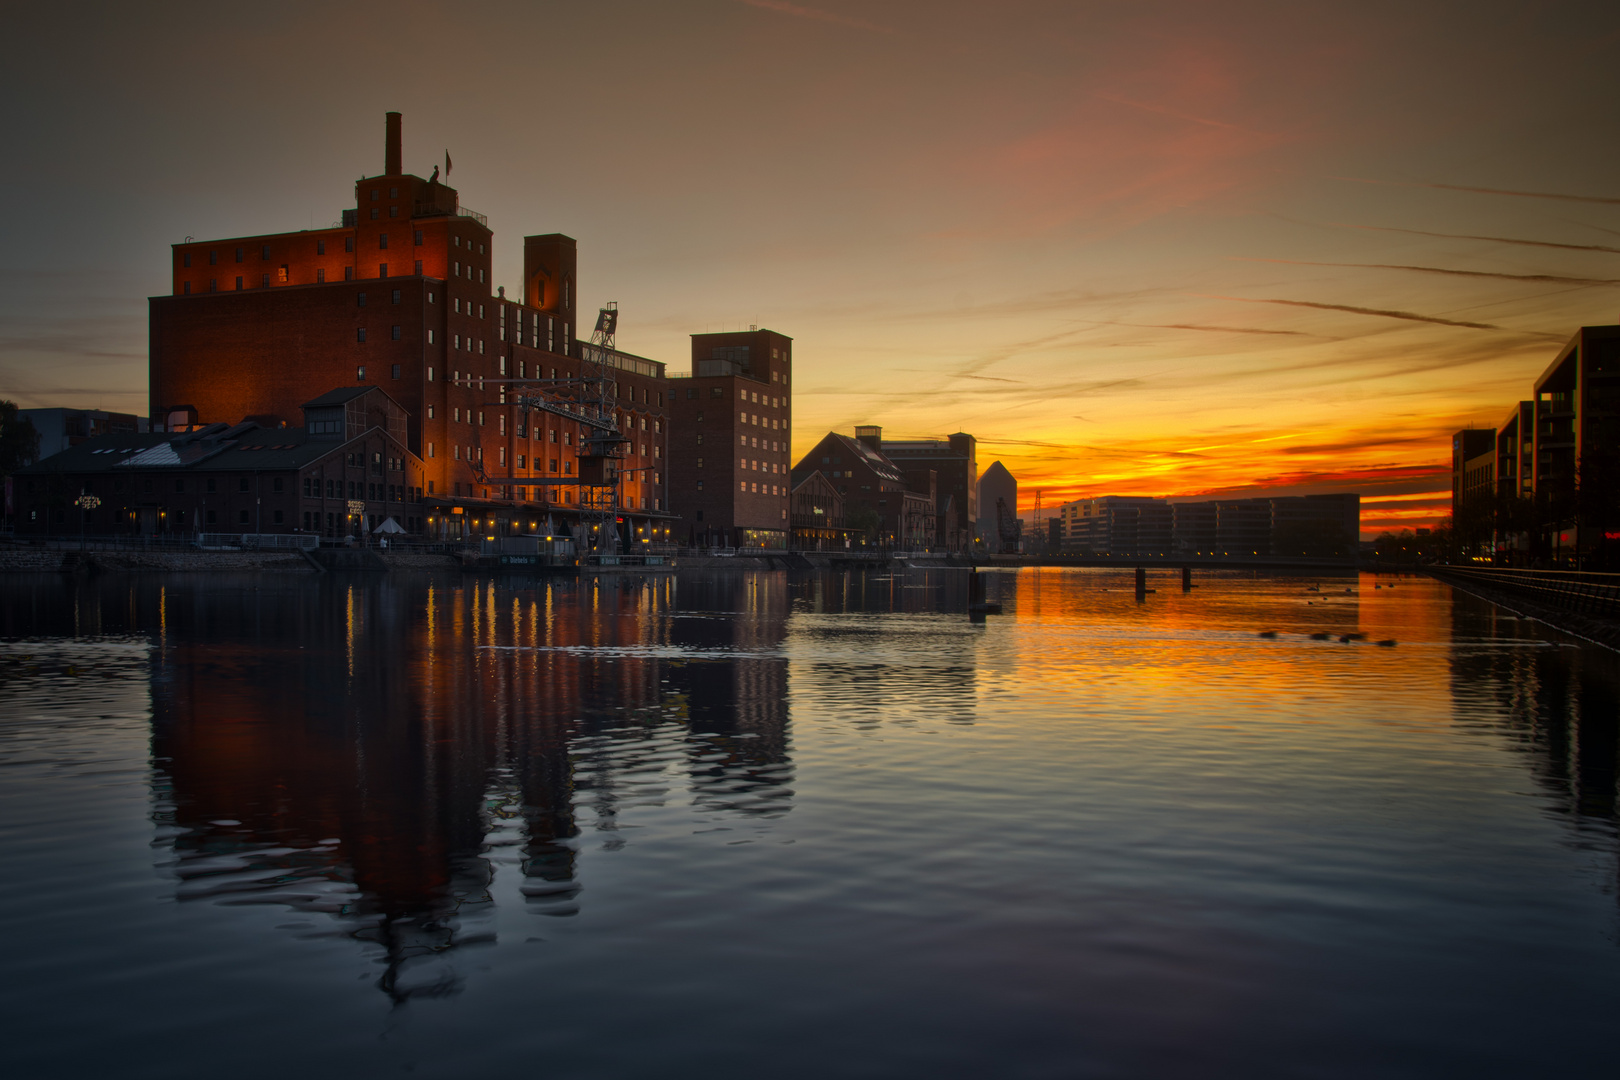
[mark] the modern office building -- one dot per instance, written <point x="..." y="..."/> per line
<point x="729" y="461"/>
<point x="1467" y="447"/>
<point x="1305" y="526"/>
<point x="954" y="461"/>
<point x="1118" y="525"/>
<point x="398" y="294"/>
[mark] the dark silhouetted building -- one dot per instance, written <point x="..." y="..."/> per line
<point x="954" y="461"/>
<point x="729" y="463"/>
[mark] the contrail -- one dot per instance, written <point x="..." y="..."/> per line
<point x="1488" y="239"/>
<point x="1408" y="315"/>
<point x="1546" y="279"/>
<point x="1599" y="199"/>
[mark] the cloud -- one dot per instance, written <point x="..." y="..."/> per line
<point x="1545" y="279"/>
<point x="1380" y="312"/>
<point x="1487" y="239"/>
<point x="1602" y="200"/>
<point x="818" y="15"/>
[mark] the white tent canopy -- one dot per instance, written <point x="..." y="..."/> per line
<point x="389" y="525"/>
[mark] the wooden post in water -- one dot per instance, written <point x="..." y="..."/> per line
<point x="1141" y="583"/>
<point x="1186" y="579"/>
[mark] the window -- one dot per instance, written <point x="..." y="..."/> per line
<point x="179" y="487"/>
<point x="393" y="211"/>
<point x="396" y="331"/>
<point x="360" y="373"/>
<point x="430" y="454"/>
<point x="418" y="237"/>
<point x="396" y="296"/>
<point x="266" y="282"/>
<point x="186" y="288"/>
<point x="717" y="391"/>
<point x="360" y="299"/>
<point x="430" y="372"/>
<point x="396" y="366"/>
<point x="430" y="337"/>
<point x="320" y="247"/>
<point x="700" y="463"/>
<point x="382" y="269"/>
<point x="360" y="334"/>
<point x="185" y="259"/>
<point x="209" y="485"/>
<point x="320" y="274"/>
<point x="700" y="416"/>
<point x="213" y="258"/>
<point x="375" y="192"/>
<point x="418" y="266"/>
<point x="239" y="284"/>
<point x="348" y="273"/>
<point x="375" y="213"/>
<point x="348" y="243"/>
<point x="455" y="414"/>
<point x="264" y="253"/>
<point x="242" y="483"/>
<point x="700" y="438"/>
<point x="213" y="517"/>
<point x="457" y="303"/>
<point x="281" y="274"/>
<point x="238" y="254"/>
<point x="382" y="241"/>
<point x="275" y="485"/>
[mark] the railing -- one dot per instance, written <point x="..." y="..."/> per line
<point x="259" y="541"/>
<point x="1578" y="591"/>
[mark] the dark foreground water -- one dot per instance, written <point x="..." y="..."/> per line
<point x="757" y="825"/>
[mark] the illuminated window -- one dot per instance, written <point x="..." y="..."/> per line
<point x="430" y="454"/>
<point x="360" y="374"/>
<point x="281" y="274"/>
<point x="455" y="268"/>
<point x="430" y="338"/>
<point x="700" y="463"/>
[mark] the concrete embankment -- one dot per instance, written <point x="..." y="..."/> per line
<point x="1600" y="631"/>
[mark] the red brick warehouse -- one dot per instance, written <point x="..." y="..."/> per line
<point x="399" y="295"/>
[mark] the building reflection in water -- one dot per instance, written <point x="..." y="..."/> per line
<point x="377" y="751"/>
<point x="843" y="653"/>
<point x="1559" y="704"/>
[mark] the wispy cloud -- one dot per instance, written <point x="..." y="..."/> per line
<point x="1486" y="239"/>
<point x="1602" y="200"/>
<point x="1543" y="279"/>
<point x="1385" y="313"/>
<point x="817" y="14"/>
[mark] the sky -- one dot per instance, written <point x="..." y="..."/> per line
<point x="1175" y="249"/>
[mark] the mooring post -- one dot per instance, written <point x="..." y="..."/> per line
<point x="975" y="587"/>
<point x="1186" y="579"/>
<point x="1141" y="582"/>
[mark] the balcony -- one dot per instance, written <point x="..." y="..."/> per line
<point x="435" y="209"/>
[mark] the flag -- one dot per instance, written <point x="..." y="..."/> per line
<point x="447" y="165"/>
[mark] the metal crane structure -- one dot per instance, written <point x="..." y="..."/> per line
<point x="590" y="402"/>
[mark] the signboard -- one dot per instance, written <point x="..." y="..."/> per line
<point x="356" y="506"/>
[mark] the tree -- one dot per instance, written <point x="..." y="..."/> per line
<point x="19" y="440"/>
<point x="863" y="521"/>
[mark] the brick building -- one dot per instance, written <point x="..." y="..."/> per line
<point x="398" y="295"/>
<point x="868" y="481"/>
<point x="345" y="472"/>
<point x="729" y="462"/>
<point x="954" y="461"/>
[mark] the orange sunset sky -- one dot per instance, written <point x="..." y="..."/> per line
<point x="1135" y="248"/>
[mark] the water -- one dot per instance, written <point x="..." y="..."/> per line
<point x="753" y="824"/>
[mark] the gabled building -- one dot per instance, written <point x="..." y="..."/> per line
<point x="818" y="515"/>
<point x="873" y="488"/>
<point x="344" y="473"/>
<point x="954" y="461"/>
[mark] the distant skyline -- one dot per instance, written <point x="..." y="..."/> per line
<point x="1166" y="249"/>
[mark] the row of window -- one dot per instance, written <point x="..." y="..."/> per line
<point x="755" y="488"/>
<point x="282" y="277"/>
<point x="315" y="488"/>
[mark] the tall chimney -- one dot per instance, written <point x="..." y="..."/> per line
<point x="391" y="152"/>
